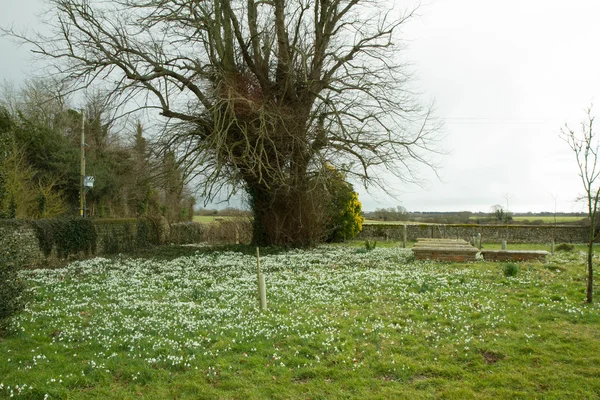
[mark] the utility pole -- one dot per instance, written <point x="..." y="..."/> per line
<point x="82" y="172"/>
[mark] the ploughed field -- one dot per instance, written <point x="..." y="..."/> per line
<point x="342" y="322"/>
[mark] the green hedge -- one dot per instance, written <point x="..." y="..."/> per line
<point x="68" y="236"/>
<point x="13" y="290"/>
<point x="127" y="235"/>
<point x="187" y="233"/>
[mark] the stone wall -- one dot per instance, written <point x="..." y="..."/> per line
<point x="489" y="233"/>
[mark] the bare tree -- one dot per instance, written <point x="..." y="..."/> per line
<point x="586" y="147"/>
<point x="257" y="94"/>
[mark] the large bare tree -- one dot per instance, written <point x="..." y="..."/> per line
<point x="259" y="94"/>
<point x="586" y="147"/>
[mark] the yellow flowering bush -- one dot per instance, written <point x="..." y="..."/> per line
<point x="346" y="210"/>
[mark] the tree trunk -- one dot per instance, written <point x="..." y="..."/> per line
<point x="292" y="217"/>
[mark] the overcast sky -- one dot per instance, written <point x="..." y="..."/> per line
<point x="505" y="76"/>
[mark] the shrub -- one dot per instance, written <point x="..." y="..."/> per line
<point x="68" y="236"/>
<point x="146" y="234"/>
<point x="345" y="210"/>
<point x="564" y="247"/>
<point x="510" y="269"/>
<point x="186" y="233"/>
<point x="13" y="295"/>
<point x="228" y="231"/>
<point x="370" y="245"/>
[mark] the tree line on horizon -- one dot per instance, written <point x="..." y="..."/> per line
<point x="495" y="216"/>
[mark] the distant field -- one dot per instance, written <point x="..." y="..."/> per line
<point x="549" y="219"/>
<point x="546" y="219"/>
<point x="208" y="218"/>
<point x="373" y="221"/>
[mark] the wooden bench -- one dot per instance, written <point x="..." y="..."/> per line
<point x="514" y="255"/>
<point x="444" y="250"/>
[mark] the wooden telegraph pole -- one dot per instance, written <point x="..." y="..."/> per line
<point x="82" y="166"/>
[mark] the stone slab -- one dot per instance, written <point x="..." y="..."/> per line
<point x="454" y="250"/>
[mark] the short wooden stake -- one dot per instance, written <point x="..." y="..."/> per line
<point x="404" y="236"/>
<point x="552" y="247"/>
<point x="262" y="289"/>
<point x="479" y="241"/>
<point x="504" y="245"/>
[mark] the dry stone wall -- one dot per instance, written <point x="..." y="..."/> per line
<point x="489" y="233"/>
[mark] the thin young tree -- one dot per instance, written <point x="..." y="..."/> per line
<point x="586" y="147"/>
<point x="259" y="95"/>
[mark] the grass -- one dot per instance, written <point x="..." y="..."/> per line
<point x="378" y="222"/>
<point x="209" y="218"/>
<point x="548" y="219"/>
<point x="342" y="323"/>
<point x="532" y="246"/>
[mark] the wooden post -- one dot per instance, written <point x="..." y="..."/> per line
<point x="82" y="168"/>
<point x="479" y="241"/>
<point x="552" y="247"/>
<point x="504" y="245"/>
<point x="404" y="236"/>
<point x="262" y="290"/>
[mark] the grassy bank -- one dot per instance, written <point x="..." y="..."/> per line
<point x="342" y="323"/>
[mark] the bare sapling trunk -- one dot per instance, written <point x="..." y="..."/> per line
<point x="587" y="151"/>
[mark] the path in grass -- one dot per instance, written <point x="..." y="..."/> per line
<point x="342" y="323"/>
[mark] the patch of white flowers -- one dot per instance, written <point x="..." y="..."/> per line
<point x="172" y="314"/>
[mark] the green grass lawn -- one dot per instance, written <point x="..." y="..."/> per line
<point x="342" y="323"/>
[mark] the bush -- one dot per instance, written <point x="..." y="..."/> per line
<point x="126" y="235"/>
<point x="370" y="245"/>
<point x="13" y="295"/>
<point x="68" y="236"/>
<point x="345" y="210"/>
<point x="187" y="233"/>
<point x="564" y="247"/>
<point x="510" y="269"/>
<point x="237" y="230"/>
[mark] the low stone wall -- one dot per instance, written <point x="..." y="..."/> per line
<point x="489" y="233"/>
